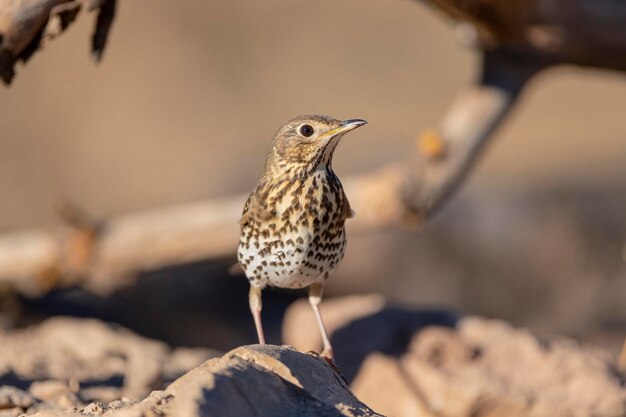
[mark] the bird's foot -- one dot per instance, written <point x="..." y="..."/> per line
<point x="329" y="355"/>
<point x="314" y="353"/>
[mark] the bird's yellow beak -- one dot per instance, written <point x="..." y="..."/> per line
<point x="346" y="126"/>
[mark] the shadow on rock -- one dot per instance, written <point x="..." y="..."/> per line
<point x="388" y="331"/>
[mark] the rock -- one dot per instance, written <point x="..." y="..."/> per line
<point x="88" y="368"/>
<point x="55" y="394"/>
<point x="248" y="381"/>
<point x="399" y="361"/>
<point x="469" y="367"/>
<point x="49" y="390"/>
<point x="11" y="397"/>
<point x="11" y="412"/>
<point x="182" y="360"/>
<point x="265" y="381"/>
<point x="88" y="360"/>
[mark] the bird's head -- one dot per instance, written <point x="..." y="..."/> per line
<point x="307" y="142"/>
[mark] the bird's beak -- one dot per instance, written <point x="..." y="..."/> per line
<point x="346" y="126"/>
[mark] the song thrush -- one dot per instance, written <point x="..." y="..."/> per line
<point x="292" y="227"/>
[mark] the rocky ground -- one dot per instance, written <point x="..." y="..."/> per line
<point x="397" y="361"/>
<point x="69" y="367"/>
<point x="429" y="363"/>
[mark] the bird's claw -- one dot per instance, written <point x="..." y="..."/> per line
<point x="314" y="353"/>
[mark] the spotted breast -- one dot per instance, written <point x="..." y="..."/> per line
<point x="302" y="238"/>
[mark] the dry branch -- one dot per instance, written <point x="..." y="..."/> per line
<point x="27" y="25"/>
<point x="445" y="156"/>
<point x="35" y="261"/>
<point x="580" y="32"/>
<point x="517" y="38"/>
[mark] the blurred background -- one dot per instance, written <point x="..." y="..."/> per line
<point x="187" y="100"/>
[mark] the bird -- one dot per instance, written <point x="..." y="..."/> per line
<point x="292" y="227"/>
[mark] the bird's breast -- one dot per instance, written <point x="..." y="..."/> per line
<point x="302" y="243"/>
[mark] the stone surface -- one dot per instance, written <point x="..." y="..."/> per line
<point x="65" y="363"/>
<point x="248" y="381"/>
<point x="414" y="363"/>
<point x="264" y="381"/>
<point x="400" y="362"/>
<point x="11" y="397"/>
<point x="71" y="367"/>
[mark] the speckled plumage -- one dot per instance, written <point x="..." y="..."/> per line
<point x="292" y="227"/>
<point x="298" y="238"/>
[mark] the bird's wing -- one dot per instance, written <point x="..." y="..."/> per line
<point x="348" y="213"/>
<point x="245" y="217"/>
<point x="255" y="209"/>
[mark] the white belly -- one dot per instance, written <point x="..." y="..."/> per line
<point x="294" y="261"/>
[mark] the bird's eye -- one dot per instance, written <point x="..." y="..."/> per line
<point x="306" y="130"/>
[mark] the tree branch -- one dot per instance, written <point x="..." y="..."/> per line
<point x="27" y="25"/>
<point x="443" y="157"/>
<point x="104" y="256"/>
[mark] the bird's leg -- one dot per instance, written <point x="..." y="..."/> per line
<point x="315" y="298"/>
<point x="255" y="307"/>
<point x="621" y="362"/>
